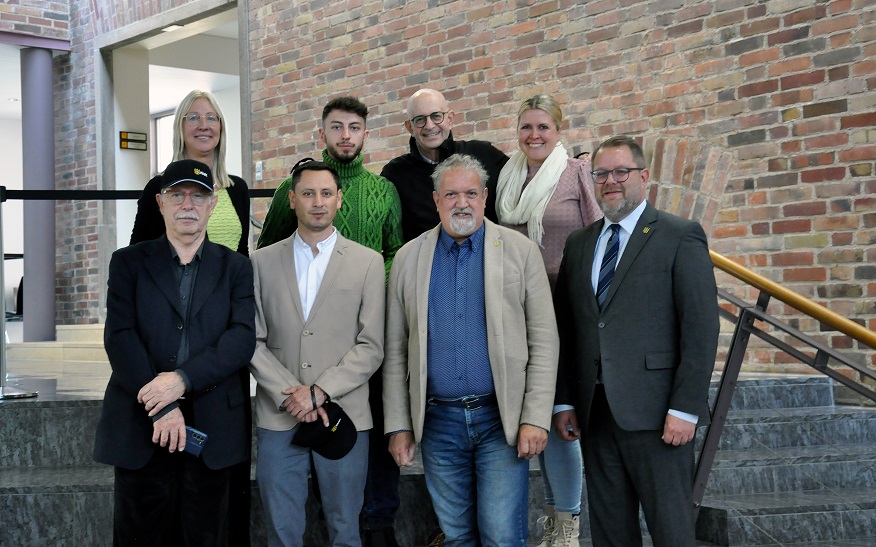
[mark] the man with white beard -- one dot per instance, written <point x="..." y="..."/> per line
<point x="470" y="361"/>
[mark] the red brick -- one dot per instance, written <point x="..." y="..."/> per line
<point x="792" y="226"/>
<point x="827" y="141"/>
<point x="758" y="88"/>
<point x="821" y="175"/>
<point x="759" y="57"/>
<point x="804" y="274"/>
<point x="791" y="97"/>
<point x="800" y="80"/>
<point x="730" y="230"/>
<point x="796" y="64"/>
<point x="859" y="120"/>
<point x="798" y="258"/>
<point x="811" y="208"/>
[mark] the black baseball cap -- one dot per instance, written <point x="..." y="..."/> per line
<point x="187" y="171"/>
<point x="332" y="442"/>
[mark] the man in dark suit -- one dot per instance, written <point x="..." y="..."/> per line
<point x="638" y="319"/>
<point x="179" y="335"/>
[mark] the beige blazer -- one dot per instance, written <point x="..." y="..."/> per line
<point x="340" y="345"/>
<point x="521" y="329"/>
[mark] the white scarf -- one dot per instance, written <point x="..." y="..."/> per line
<point x="518" y="205"/>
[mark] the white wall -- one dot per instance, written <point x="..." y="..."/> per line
<point x="229" y="102"/>
<point x="13" y="217"/>
<point x="131" y="92"/>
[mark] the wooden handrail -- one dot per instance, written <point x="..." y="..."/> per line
<point x="797" y="301"/>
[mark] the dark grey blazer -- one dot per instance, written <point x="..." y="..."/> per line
<point x="657" y="335"/>
<point x="142" y="335"/>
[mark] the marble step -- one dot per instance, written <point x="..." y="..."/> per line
<point x="793" y="469"/>
<point x="80" y="333"/>
<point x="55" y="352"/>
<point x="758" y="392"/>
<point x="807" y="517"/>
<point x="811" y="426"/>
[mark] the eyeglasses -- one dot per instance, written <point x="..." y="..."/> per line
<point x="621" y="174"/>
<point x="178" y="197"/>
<point x="436" y="117"/>
<point x="194" y="118"/>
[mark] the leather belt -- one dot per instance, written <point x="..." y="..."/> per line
<point x="472" y="402"/>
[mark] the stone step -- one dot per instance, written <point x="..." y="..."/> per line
<point x="813" y="426"/>
<point x="793" y="469"/>
<point x="80" y="333"/>
<point x="55" y="352"/>
<point x="825" y="515"/>
<point x="758" y="392"/>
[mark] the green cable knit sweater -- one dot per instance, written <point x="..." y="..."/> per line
<point x="370" y="211"/>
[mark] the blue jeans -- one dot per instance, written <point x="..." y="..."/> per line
<point x="282" y="471"/>
<point x="562" y="468"/>
<point x="479" y="487"/>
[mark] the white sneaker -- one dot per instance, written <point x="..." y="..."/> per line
<point x="566" y="530"/>
<point x="548" y="521"/>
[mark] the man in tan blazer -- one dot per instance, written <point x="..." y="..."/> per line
<point x="319" y="336"/>
<point x="471" y="361"/>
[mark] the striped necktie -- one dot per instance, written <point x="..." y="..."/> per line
<point x="609" y="260"/>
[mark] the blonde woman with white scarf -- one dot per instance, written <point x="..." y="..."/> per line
<point x="547" y="195"/>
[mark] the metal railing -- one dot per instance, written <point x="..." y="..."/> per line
<point x="825" y="360"/>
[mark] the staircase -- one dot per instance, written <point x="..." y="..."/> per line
<point x="792" y="469"/>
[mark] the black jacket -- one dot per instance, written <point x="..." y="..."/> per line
<point x="412" y="177"/>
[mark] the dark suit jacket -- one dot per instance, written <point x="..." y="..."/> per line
<point x="149" y="224"/>
<point x="657" y="334"/>
<point x="142" y="335"/>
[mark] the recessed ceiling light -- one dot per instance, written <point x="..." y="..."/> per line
<point x="171" y="28"/>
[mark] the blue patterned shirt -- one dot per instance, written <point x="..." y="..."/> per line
<point x="458" y="357"/>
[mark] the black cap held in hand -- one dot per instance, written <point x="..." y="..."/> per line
<point x="332" y="442"/>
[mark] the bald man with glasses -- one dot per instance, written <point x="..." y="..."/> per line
<point x="430" y="123"/>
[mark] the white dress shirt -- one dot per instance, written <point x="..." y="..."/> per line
<point x="310" y="269"/>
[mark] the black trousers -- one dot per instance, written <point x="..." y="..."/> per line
<point x="175" y="500"/>
<point x="626" y="468"/>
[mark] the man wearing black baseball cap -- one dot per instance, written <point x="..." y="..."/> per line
<point x="179" y="327"/>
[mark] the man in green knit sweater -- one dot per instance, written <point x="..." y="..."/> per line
<point x="370" y="215"/>
<point x="370" y="212"/>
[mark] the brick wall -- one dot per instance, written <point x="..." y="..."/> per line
<point x="79" y="285"/>
<point x="42" y="18"/>
<point x="759" y="118"/>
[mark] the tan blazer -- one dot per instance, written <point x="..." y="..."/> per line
<point x="521" y="329"/>
<point x="339" y="346"/>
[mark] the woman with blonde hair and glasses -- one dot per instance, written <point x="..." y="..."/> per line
<point x="199" y="134"/>
<point x="547" y="195"/>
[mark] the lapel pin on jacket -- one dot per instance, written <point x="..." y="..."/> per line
<point x="645" y="230"/>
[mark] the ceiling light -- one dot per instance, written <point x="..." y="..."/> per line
<point x="171" y="28"/>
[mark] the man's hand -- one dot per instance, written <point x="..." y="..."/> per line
<point x="164" y="389"/>
<point x="531" y="441"/>
<point x="170" y="431"/>
<point x="299" y="403"/>
<point x="315" y="415"/>
<point x="401" y="446"/>
<point x="677" y="431"/>
<point x="566" y="425"/>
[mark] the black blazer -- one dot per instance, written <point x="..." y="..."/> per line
<point x="142" y="335"/>
<point x="657" y="334"/>
<point x="149" y="224"/>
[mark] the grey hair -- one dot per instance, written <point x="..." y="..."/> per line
<point x="459" y="161"/>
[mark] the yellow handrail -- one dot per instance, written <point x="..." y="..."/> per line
<point x="797" y="301"/>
